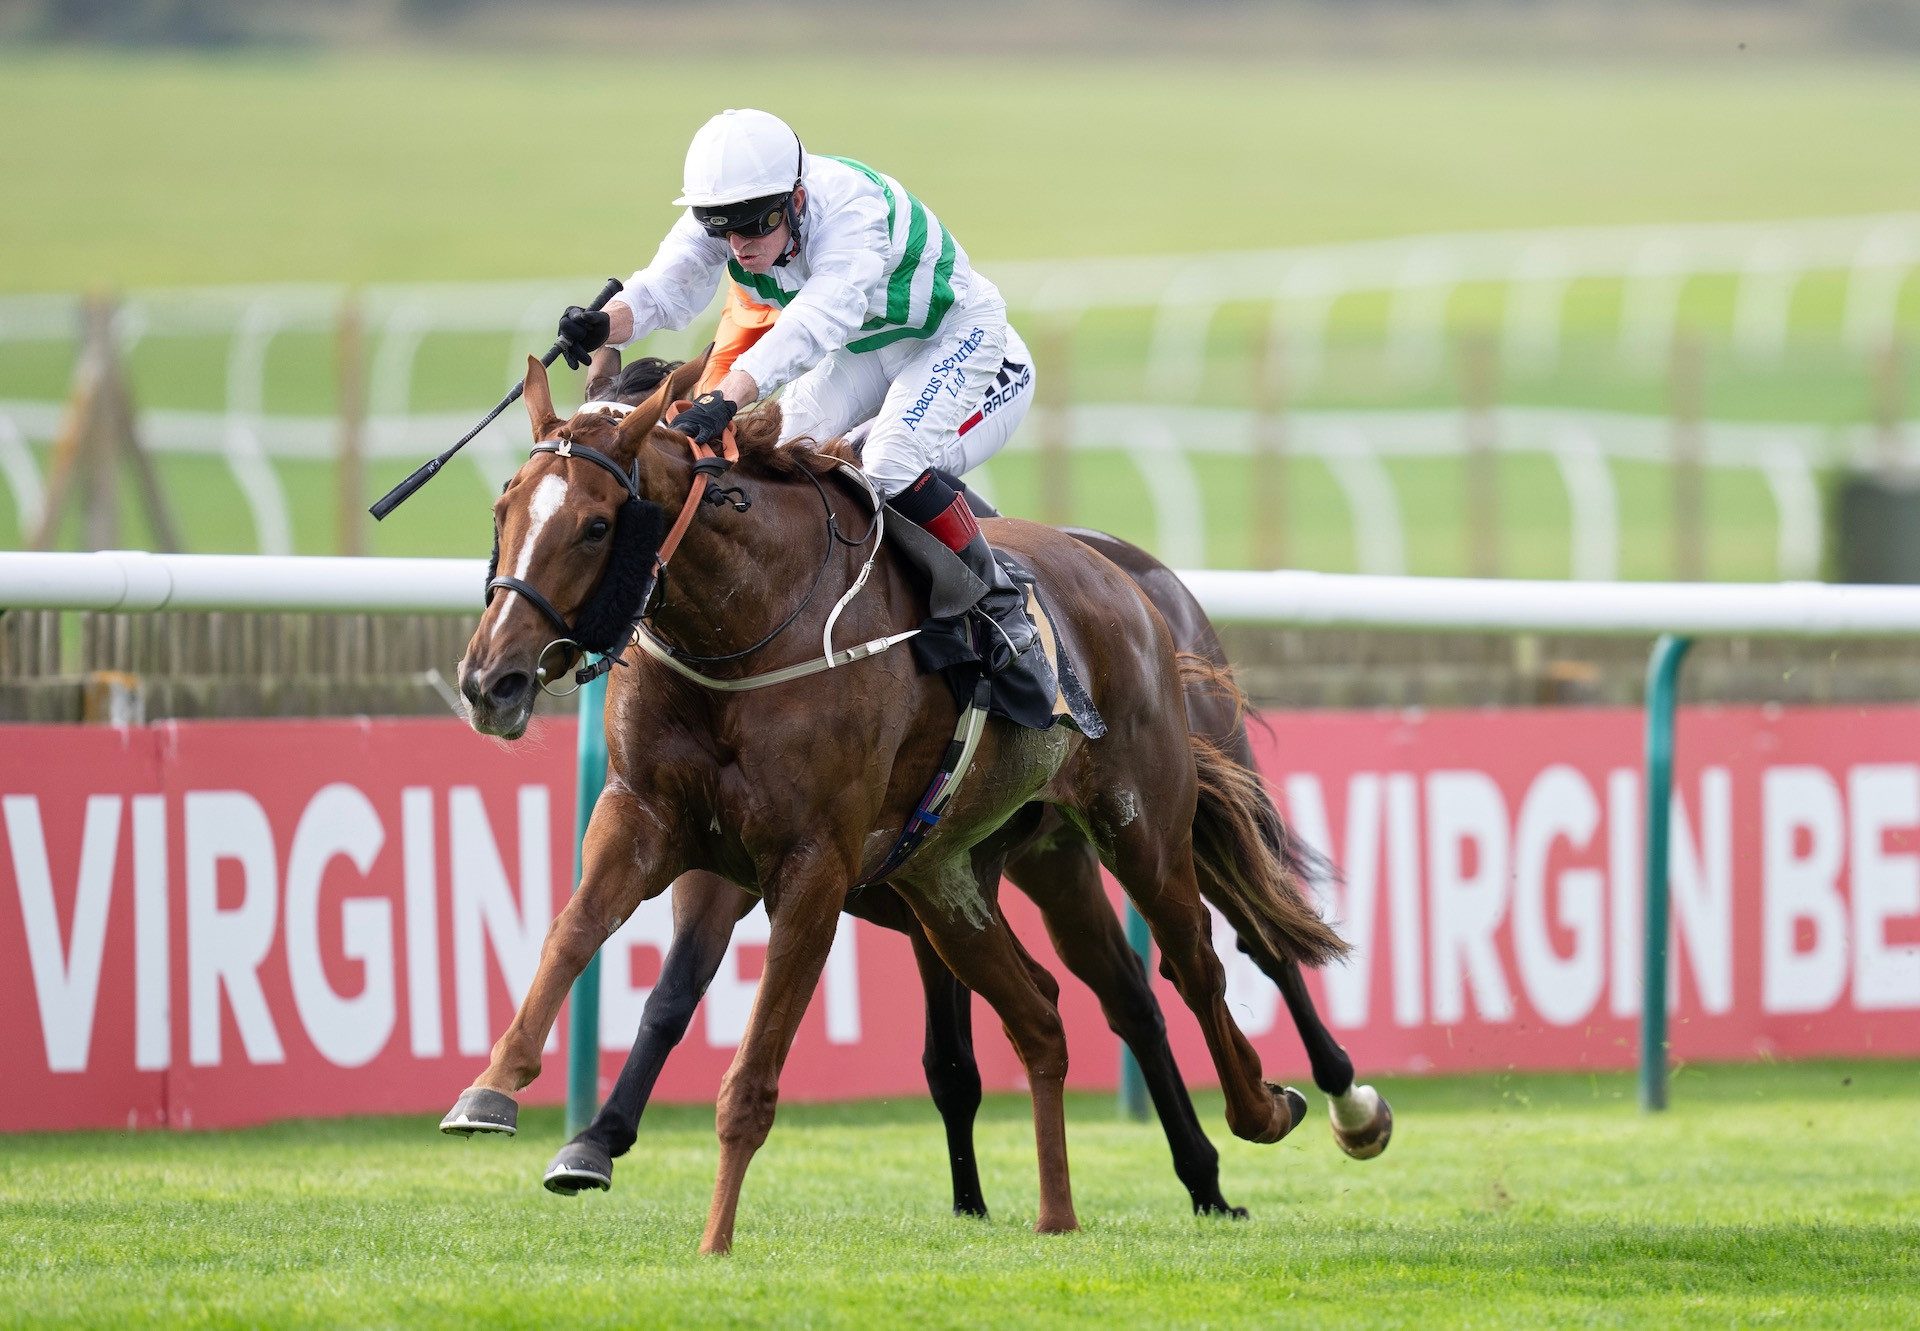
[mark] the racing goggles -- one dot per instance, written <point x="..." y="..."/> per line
<point x="751" y="218"/>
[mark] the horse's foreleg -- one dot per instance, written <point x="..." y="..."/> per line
<point x="803" y="909"/>
<point x="1064" y="881"/>
<point x="706" y="908"/>
<point x="624" y="864"/>
<point x="989" y="962"/>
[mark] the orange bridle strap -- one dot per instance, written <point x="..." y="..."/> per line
<point x="729" y="452"/>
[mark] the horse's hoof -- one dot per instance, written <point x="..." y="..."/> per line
<point x="1295" y="1105"/>
<point x="578" y="1166"/>
<point x="1222" y="1210"/>
<point x="1362" y="1122"/>
<point x="1066" y="1226"/>
<point x="481" y="1110"/>
<point x="971" y="1210"/>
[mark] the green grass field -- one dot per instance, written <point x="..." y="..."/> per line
<point x="1783" y="1195"/>
<point x="145" y="171"/>
<point x="129" y="171"/>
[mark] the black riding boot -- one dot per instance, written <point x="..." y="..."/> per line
<point x="1013" y="646"/>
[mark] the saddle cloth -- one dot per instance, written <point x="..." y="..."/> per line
<point x="1071" y="701"/>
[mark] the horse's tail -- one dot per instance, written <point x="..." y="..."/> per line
<point x="1249" y="865"/>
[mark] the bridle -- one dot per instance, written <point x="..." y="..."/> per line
<point x="708" y="465"/>
<point x="566" y="449"/>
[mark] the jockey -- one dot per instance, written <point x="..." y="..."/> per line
<point x="879" y="315"/>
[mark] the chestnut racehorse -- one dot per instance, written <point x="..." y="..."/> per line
<point x="1057" y="867"/>
<point x="800" y="790"/>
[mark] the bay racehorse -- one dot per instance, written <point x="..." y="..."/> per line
<point x="1057" y="867"/>
<point x="801" y="793"/>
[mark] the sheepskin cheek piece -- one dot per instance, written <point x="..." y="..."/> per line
<point x="603" y="623"/>
<point x="607" y="618"/>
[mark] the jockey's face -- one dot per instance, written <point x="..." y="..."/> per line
<point x="757" y="254"/>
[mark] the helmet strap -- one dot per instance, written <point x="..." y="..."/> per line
<point x="793" y="229"/>
<point x="793" y="213"/>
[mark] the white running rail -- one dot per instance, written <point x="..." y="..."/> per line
<point x="135" y="581"/>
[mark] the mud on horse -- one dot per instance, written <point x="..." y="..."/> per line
<point x="800" y="802"/>
<point x="1056" y="866"/>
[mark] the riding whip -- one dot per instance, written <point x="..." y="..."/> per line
<point x="401" y="492"/>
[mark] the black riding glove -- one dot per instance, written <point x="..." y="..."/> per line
<point x="582" y="332"/>
<point x="706" y="419"/>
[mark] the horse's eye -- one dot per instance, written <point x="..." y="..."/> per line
<point x="597" y="529"/>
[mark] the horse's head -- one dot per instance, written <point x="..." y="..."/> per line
<point x="574" y="545"/>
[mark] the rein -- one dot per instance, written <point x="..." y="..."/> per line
<point x="664" y="652"/>
<point x="708" y="465"/>
<point x="820" y="575"/>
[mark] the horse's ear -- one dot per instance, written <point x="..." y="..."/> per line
<point x="639" y="422"/>
<point x="539" y="398"/>
<point x="675" y="387"/>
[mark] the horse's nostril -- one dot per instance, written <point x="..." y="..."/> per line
<point x="509" y="689"/>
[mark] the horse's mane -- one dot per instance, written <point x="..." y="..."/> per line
<point x="756" y="430"/>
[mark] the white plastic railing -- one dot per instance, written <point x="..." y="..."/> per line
<point x="1874" y="256"/>
<point x="134" y="581"/>
<point x="129" y="581"/>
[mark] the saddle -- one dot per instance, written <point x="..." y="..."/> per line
<point x="953" y="643"/>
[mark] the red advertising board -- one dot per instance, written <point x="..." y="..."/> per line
<point x="206" y="924"/>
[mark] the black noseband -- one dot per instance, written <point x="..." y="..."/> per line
<point x="540" y="603"/>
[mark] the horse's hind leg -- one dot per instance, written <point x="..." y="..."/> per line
<point x="1064" y="880"/>
<point x="706" y="908"/>
<point x="988" y="961"/>
<point x="1362" y="1118"/>
<point x="953" y="1074"/>
<point x="1146" y="839"/>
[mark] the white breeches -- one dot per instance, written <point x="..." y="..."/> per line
<point x="949" y="401"/>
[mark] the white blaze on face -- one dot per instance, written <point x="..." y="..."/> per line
<point x="548" y="498"/>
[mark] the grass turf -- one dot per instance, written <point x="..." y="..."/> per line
<point x="142" y="170"/>
<point x="1786" y="1194"/>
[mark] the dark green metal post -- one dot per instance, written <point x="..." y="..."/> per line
<point x="583" y="1008"/>
<point x="1663" y="677"/>
<point x="1133" y="1087"/>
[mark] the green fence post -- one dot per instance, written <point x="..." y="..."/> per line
<point x="1663" y="676"/>
<point x="583" y="1008"/>
<point x="1133" y="1087"/>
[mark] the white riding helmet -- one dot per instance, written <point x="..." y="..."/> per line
<point x="741" y="155"/>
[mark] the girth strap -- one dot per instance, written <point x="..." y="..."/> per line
<point x="941" y="790"/>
